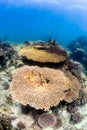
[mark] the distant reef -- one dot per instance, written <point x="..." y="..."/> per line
<point x="78" y="50"/>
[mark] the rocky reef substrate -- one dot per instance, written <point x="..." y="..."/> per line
<point x="57" y="88"/>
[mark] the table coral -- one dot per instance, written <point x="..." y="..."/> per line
<point x="44" y="54"/>
<point x="44" y="87"/>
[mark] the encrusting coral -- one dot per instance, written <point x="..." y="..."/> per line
<point x="44" y="87"/>
<point x="44" y="53"/>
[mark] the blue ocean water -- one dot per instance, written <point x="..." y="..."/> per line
<point x="41" y="22"/>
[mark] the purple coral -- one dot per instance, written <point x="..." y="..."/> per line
<point x="76" y="117"/>
<point x="72" y="108"/>
<point x="46" y="120"/>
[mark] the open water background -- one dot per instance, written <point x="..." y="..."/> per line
<point x="35" y="20"/>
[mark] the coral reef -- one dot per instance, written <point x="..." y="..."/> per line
<point x="44" y="87"/>
<point x="78" y="43"/>
<point x="7" y="54"/>
<point x="60" y="86"/>
<point x="44" y="53"/>
<point x="78" y="50"/>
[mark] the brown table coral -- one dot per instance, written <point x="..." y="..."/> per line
<point x="44" y="53"/>
<point x="44" y="87"/>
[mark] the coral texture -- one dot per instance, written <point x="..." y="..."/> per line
<point x="43" y="88"/>
<point x="2" y="53"/>
<point x="7" y="55"/>
<point x="73" y="93"/>
<point x="78" y="50"/>
<point x="46" y="120"/>
<point x="45" y="53"/>
<point x="76" y="68"/>
<point x="76" y="117"/>
<point x="5" y="122"/>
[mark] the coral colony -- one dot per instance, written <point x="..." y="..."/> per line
<point x="44" y="84"/>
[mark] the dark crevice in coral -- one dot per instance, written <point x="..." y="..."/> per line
<point x="28" y="109"/>
<point x="47" y="81"/>
<point x="67" y="90"/>
<point x="50" y="65"/>
<point x="25" y="109"/>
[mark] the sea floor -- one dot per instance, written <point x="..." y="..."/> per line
<point x="14" y="116"/>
